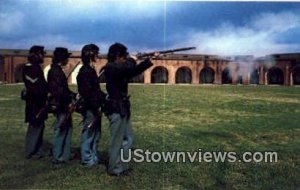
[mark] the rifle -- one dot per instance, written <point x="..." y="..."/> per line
<point x="73" y="69"/>
<point x="100" y="74"/>
<point x="45" y="109"/>
<point x="71" y="110"/>
<point x="95" y="119"/>
<point x="78" y="101"/>
<point x="150" y="54"/>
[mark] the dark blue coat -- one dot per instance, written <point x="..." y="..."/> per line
<point x="36" y="92"/>
<point x="89" y="88"/>
<point x="61" y="95"/>
<point x="117" y="77"/>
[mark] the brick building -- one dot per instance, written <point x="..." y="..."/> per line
<point x="280" y="69"/>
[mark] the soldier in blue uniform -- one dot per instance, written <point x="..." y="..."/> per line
<point x="35" y="97"/>
<point x="93" y="98"/>
<point x="118" y="71"/>
<point x="60" y="103"/>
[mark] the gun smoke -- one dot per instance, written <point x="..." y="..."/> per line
<point x="258" y="38"/>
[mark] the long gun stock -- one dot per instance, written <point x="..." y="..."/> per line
<point x="45" y="109"/>
<point x="73" y="69"/>
<point x="150" y="54"/>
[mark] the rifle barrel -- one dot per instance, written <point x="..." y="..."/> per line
<point x="178" y="49"/>
<point x="165" y="51"/>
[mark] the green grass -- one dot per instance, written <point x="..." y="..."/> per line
<point x="172" y="118"/>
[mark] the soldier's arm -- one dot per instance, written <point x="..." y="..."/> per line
<point x="84" y="86"/>
<point x="34" y="81"/>
<point x="55" y="84"/>
<point x="130" y="70"/>
<point x="86" y="90"/>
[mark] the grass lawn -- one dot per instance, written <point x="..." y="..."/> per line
<point x="171" y="118"/>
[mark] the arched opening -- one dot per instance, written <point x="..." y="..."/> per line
<point x="159" y="75"/>
<point x="254" y="77"/>
<point x="137" y="79"/>
<point x="46" y="70"/>
<point x="296" y="75"/>
<point x="275" y="76"/>
<point x="239" y="79"/>
<point x="184" y="75"/>
<point x="207" y="75"/>
<point x="75" y="73"/>
<point x="1" y="69"/>
<point x="18" y="73"/>
<point x="226" y="76"/>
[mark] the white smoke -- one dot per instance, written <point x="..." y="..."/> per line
<point x="259" y="37"/>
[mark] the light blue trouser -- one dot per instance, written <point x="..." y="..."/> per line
<point x="62" y="130"/>
<point x="34" y="140"/>
<point x="121" y="138"/>
<point x="90" y="137"/>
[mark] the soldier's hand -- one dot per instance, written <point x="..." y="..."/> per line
<point x="156" y="54"/>
<point x="78" y="96"/>
<point x="135" y="58"/>
<point x="71" y="108"/>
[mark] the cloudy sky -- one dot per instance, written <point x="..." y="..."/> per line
<point x="222" y="28"/>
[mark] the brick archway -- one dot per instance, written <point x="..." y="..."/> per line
<point x="226" y="76"/>
<point x="296" y="75"/>
<point x="275" y="76"/>
<point x="254" y="77"/>
<point x="137" y="79"/>
<point x="18" y="73"/>
<point x="159" y="74"/>
<point x="207" y="76"/>
<point x="183" y="75"/>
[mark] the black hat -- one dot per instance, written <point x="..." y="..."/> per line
<point x="61" y="53"/>
<point x="89" y="50"/>
<point x="37" y="49"/>
<point x="94" y="47"/>
<point x="118" y="49"/>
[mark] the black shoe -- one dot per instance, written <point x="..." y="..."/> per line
<point x="38" y="156"/>
<point x="89" y="164"/>
<point x="73" y="156"/>
<point x="28" y="156"/>
<point x="127" y="172"/>
<point x="123" y="173"/>
<point x="34" y="156"/>
<point x="115" y="174"/>
<point x="58" y="162"/>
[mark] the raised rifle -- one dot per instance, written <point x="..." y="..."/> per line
<point x="151" y="54"/>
